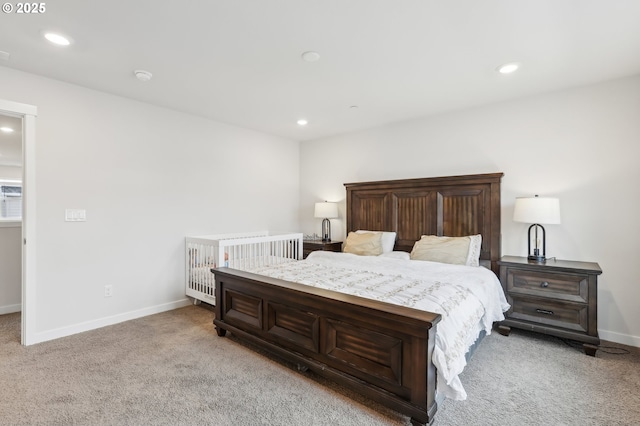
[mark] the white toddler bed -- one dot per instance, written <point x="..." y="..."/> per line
<point x="241" y="251"/>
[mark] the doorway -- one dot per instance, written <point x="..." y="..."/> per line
<point x="10" y="214"/>
<point x="25" y="116"/>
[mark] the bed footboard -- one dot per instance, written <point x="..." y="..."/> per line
<point x="380" y="350"/>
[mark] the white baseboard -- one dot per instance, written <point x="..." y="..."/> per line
<point x="103" y="322"/>
<point x="623" y="339"/>
<point x="10" y="309"/>
<point x="611" y="336"/>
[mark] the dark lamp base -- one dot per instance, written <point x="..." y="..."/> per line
<point x="326" y="231"/>
<point x="540" y="259"/>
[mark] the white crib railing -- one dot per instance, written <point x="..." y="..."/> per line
<point x="242" y="251"/>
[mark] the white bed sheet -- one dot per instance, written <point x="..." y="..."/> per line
<point x="202" y="272"/>
<point x="468" y="298"/>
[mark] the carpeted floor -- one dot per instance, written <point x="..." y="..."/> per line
<point x="172" y="369"/>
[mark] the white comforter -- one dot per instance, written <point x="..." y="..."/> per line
<point x="469" y="298"/>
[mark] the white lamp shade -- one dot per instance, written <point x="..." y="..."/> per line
<point x="536" y="209"/>
<point x="326" y="210"/>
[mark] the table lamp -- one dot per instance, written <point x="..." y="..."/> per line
<point x="538" y="211"/>
<point x="326" y="211"/>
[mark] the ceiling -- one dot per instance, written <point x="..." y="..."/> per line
<point x="380" y="62"/>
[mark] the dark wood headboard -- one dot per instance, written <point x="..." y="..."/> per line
<point x="451" y="206"/>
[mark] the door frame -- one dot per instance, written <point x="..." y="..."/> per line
<point x="28" y="113"/>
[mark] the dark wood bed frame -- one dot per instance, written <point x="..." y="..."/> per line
<point x="380" y="350"/>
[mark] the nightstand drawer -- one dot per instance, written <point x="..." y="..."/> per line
<point x="569" y="287"/>
<point x="571" y="316"/>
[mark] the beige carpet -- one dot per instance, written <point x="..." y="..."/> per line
<point x="172" y="369"/>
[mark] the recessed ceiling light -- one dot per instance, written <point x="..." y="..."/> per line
<point x="302" y="122"/>
<point x="58" y="39"/>
<point x="353" y="107"/>
<point x="311" y="56"/>
<point x="508" y="68"/>
<point x="6" y="129"/>
<point x="143" y="75"/>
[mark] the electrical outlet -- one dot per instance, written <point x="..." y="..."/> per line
<point x="108" y="290"/>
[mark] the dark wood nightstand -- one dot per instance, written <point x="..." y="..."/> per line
<point x="312" y="245"/>
<point x="558" y="297"/>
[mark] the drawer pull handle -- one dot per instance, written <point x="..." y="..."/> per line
<point x="544" y="311"/>
<point x="544" y="284"/>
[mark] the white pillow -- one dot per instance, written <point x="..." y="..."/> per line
<point x="474" y="250"/>
<point x="388" y="239"/>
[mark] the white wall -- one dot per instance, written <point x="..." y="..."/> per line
<point x="10" y="267"/>
<point x="10" y="254"/>
<point x="580" y="145"/>
<point x="147" y="177"/>
<point x="10" y="172"/>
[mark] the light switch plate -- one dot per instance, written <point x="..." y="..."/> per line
<point x="75" y="215"/>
